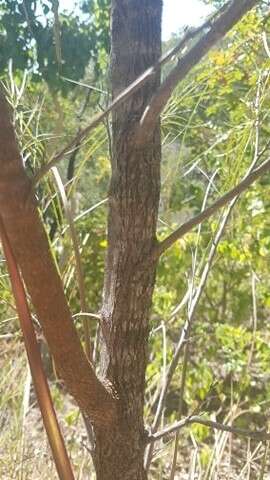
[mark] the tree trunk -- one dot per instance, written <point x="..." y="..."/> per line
<point x="130" y="268"/>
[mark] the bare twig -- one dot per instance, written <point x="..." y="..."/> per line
<point x="186" y="348"/>
<point x="87" y="314"/>
<point x="85" y="85"/>
<point x="193" y="303"/>
<point x="256" y="435"/>
<point x="180" y="409"/>
<point x="186" y="329"/>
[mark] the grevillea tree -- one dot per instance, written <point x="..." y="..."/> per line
<point x="113" y="402"/>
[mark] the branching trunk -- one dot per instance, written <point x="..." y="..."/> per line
<point x="30" y="245"/>
<point x="130" y="269"/>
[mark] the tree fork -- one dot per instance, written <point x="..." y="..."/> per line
<point x="30" y="245"/>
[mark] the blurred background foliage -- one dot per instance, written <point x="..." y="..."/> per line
<point x="211" y="128"/>
<point x="37" y="38"/>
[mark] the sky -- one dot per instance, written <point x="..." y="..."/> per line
<point x="176" y="14"/>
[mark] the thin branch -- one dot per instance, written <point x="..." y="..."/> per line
<point x="71" y="163"/>
<point x="86" y="212"/>
<point x="221" y="202"/>
<point x="256" y="435"/>
<point x="181" y="403"/>
<point x="228" y="17"/>
<point x="231" y="195"/>
<point x="87" y="314"/>
<point x="42" y="390"/>
<point x="192" y="308"/>
<point x="191" y="311"/>
<point x="85" y="85"/>
<point x="196" y="297"/>
<point x="127" y="93"/>
<point x="207" y="268"/>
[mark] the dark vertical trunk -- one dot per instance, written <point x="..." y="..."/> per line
<point x="130" y="269"/>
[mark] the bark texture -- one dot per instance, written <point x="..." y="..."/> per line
<point x="133" y="209"/>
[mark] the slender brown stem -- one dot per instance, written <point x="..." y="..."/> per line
<point x="56" y="441"/>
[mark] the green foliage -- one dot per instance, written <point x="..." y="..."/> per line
<point x="53" y="45"/>
<point x="210" y="126"/>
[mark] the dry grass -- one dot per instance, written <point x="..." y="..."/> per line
<point x="24" y="450"/>
<point x="25" y="454"/>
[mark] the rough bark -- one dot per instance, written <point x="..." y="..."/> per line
<point x="130" y="269"/>
<point x="29" y="242"/>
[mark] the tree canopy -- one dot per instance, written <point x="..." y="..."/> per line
<point x="37" y="37"/>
